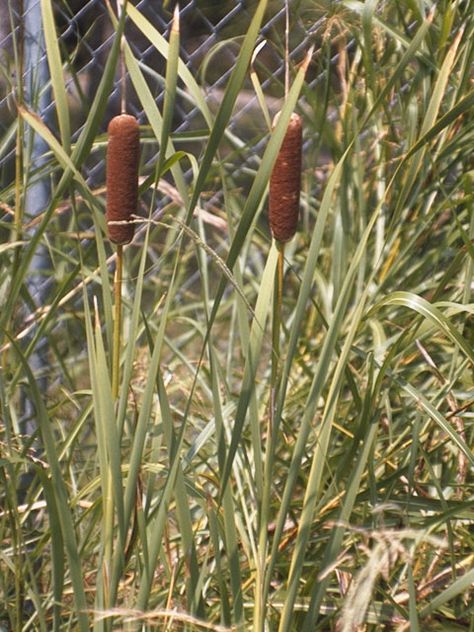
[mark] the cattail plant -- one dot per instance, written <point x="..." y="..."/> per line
<point x="123" y="155"/>
<point x="285" y="183"/>
<point x="284" y="203"/>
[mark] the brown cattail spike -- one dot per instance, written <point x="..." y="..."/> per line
<point x="285" y="183"/>
<point x="123" y="157"/>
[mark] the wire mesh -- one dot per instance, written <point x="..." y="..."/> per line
<point x="210" y="36"/>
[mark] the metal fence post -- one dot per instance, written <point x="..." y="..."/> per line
<point x="37" y="97"/>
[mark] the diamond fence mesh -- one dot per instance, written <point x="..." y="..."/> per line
<point x="210" y="36"/>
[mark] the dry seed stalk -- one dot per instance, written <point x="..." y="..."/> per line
<point x="285" y="182"/>
<point x="123" y="156"/>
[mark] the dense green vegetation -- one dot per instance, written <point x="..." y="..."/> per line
<point x="316" y="476"/>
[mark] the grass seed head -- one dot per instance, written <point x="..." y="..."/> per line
<point x="123" y="157"/>
<point x="285" y="183"/>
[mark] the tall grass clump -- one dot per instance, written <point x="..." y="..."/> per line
<point x="282" y="437"/>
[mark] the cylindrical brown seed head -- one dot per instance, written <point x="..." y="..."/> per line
<point x="123" y="157"/>
<point x="285" y="183"/>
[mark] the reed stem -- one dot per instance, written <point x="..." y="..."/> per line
<point x="117" y="340"/>
<point x="260" y="592"/>
<point x="277" y="301"/>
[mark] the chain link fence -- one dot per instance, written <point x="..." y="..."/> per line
<point x="210" y="36"/>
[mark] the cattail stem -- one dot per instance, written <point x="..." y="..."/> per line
<point x="260" y="599"/>
<point x="287" y="47"/>
<point x="123" y="69"/>
<point x="109" y="502"/>
<point x="123" y="82"/>
<point x="277" y="301"/>
<point x="117" y="340"/>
